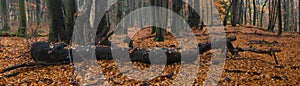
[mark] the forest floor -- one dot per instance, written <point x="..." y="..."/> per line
<point x="247" y="69"/>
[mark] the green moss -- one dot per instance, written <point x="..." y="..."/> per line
<point x="155" y="39"/>
<point x="269" y="45"/>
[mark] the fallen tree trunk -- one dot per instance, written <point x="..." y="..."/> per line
<point x="44" y="55"/>
<point x="15" y="35"/>
<point x="258" y="51"/>
<point x="262" y="42"/>
<point x="10" y="75"/>
<point x="270" y="52"/>
<point x="208" y="46"/>
<point x="42" y="52"/>
<point x="31" y="64"/>
<point x="143" y="55"/>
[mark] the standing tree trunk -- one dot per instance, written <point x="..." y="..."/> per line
<point x="245" y="13"/>
<point x="299" y="15"/>
<point x="197" y="8"/>
<point x="235" y="12"/>
<point x="176" y="23"/>
<point x="227" y="14"/>
<point x="292" y="22"/>
<point x="286" y="15"/>
<point x="153" y="3"/>
<point x="159" y="31"/>
<point x="211" y="12"/>
<point x="190" y="14"/>
<point x="62" y="19"/>
<point x="250" y="9"/>
<point x="254" y="13"/>
<point x="272" y="15"/>
<point x="38" y="14"/>
<point x="193" y="18"/>
<point x="126" y="9"/>
<point x="104" y="25"/>
<point x="262" y="13"/>
<point x="279" y="17"/>
<point x="69" y="11"/>
<point x="119" y="10"/>
<point x="56" y="20"/>
<point x="23" y="18"/>
<point x="140" y="5"/>
<point x="258" y="11"/>
<point x="4" y="15"/>
<point x="207" y="11"/>
<point x="241" y="12"/>
<point x="164" y="16"/>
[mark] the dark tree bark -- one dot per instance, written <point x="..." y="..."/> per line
<point x="156" y="17"/>
<point x="142" y="14"/>
<point x="279" y="18"/>
<point x="241" y="20"/>
<point x="23" y="18"/>
<point x="262" y="13"/>
<point x="227" y="14"/>
<point x="177" y="8"/>
<point x="104" y="26"/>
<point x="235" y="12"/>
<point x="42" y="52"/>
<point x="196" y="17"/>
<point x="153" y="3"/>
<point x="164" y="15"/>
<point x="159" y="30"/>
<point x="211" y="12"/>
<point x="38" y="14"/>
<point x="4" y="15"/>
<point x="254" y="13"/>
<point x="286" y="15"/>
<point x="62" y="19"/>
<point x="119" y="11"/>
<point x="193" y="19"/>
<point x="250" y="9"/>
<point x="292" y="16"/>
<point x="245" y="13"/>
<point x="56" y="20"/>
<point x="272" y="14"/>
<point x="69" y="17"/>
